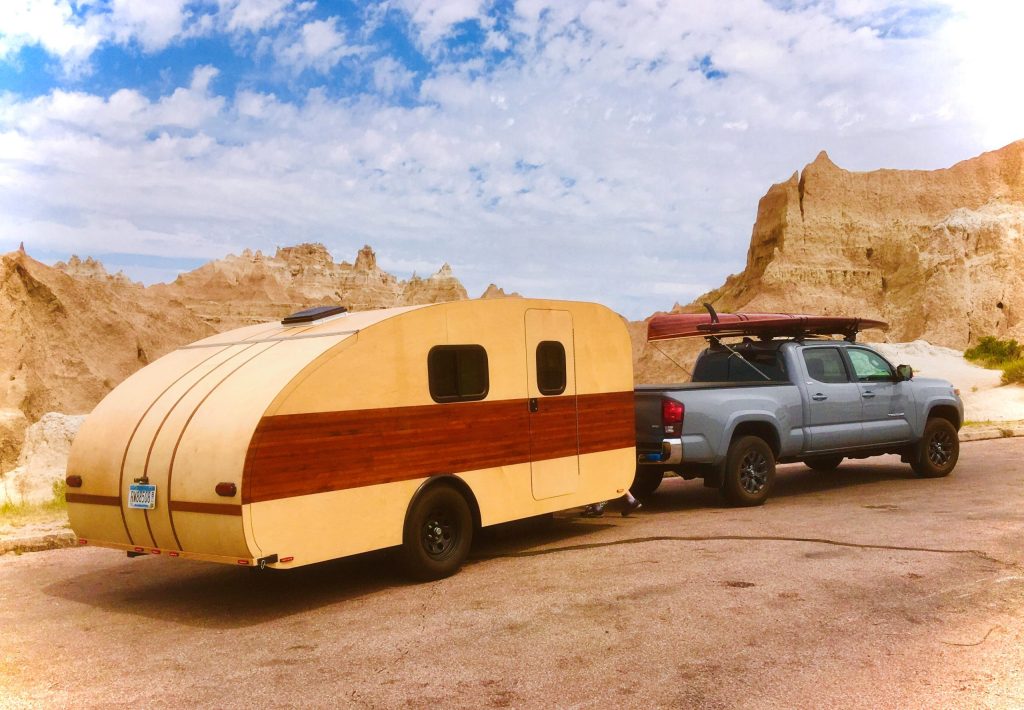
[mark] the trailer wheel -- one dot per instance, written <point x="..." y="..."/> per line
<point x="646" y="481"/>
<point x="437" y="535"/>
<point x="749" y="473"/>
<point x="937" y="452"/>
<point x="824" y="463"/>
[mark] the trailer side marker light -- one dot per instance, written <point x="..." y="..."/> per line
<point x="82" y="541"/>
<point x="139" y="549"/>
<point x="243" y="562"/>
<point x="173" y="554"/>
<point x="155" y="551"/>
<point x="286" y="559"/>
<point x="73" y="481"/>
<point x="226" y="489"/>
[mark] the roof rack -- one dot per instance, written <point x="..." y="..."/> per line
<point x="762" y="325"/>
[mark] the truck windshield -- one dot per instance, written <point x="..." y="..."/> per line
<point x="725" y="366"/>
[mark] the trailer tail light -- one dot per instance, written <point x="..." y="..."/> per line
<point x="243" y="562"/>
<point x="73" y="481"/>
<point x="672" y="417"/>
<point x="228" y="490"/>
<point x="173" y="554"/>
<point x="82" y="541"/>
<point x="286" y="560"/>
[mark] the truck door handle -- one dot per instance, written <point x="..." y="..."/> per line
<point x="868" y="395"/>
<point x="819" y="397"/>
<point x="533" y="404"/>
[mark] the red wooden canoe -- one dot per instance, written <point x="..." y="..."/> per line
<point x="765" y="325"/>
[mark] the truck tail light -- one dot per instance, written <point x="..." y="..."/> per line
<point x="672" y="416"/>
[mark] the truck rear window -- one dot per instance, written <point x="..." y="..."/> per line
<point x="725" y="366"/>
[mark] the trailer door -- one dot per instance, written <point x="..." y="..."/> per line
<point x="551" y="400"/>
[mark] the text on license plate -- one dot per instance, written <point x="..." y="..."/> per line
<point x="142" y="495"/>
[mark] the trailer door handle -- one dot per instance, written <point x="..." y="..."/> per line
<point x="819" y="397"/>
<point x="533" y="404"/>
<point x="868" y="395"/>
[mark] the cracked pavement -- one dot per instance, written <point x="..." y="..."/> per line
<point x="865" y="587"/>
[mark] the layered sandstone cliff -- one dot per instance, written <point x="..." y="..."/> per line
<point x="253" y="287"/>
<point x="938" y="254"/>
<point x="73" y="331"/>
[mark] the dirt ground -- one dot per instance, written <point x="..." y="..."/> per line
<point x="864" y="588"/>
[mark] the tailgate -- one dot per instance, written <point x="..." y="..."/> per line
<point x="649" y="430"/>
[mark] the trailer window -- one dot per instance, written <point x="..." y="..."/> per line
<point x="550" y="367"/>
<point x="457" y="373"/>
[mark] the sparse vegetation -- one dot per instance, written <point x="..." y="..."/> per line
<point x="996" y="354"/>
<point x="18" y="515"/>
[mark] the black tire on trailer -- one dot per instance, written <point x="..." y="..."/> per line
<point x="749" y="474"/>
<point x="936" y="454"/>
<point x="437" y="535"/>
<point x="646" y="481"/>
<point x="823" y="463"/>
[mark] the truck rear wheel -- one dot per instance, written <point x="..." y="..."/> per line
<point x="936" y="454"/>
<point x="646" y="481"/>
<point x="437" y="535"/>
<point x="824" y="463"/>
<point x="749" y="473"/>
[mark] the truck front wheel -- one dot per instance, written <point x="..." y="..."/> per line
<point x="645" y="482"/>
<point x="749" y="473"/>
<point x="937" y="452"/>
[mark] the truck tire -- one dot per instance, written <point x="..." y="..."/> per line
<point x="437" y="535"/>
<point x="749" y="473"/>
<point x="936" y="454"/>
<point x="646" y="481"/>
<point x="823" y="463"/>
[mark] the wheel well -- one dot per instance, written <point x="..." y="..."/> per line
<point x="763" y="430"/>
<point x="451" y="482"/>
<point x="946" y="412"/>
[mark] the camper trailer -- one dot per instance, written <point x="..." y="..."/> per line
<point x="334" y="433"/>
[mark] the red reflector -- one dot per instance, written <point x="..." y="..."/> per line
<point x="139" y="549"/>
<point x="228" y="490"/>
<point x="173" y="554"/>
<point x="243" y="562"/>
<point x="286" y="559"/>
<point x="671" y="411"/>
<point x="155" y="552"/>
<point x="82" y="541"/>
<point x="73" y="481"/>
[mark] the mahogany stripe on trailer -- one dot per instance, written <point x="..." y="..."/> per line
<point x="299" y="454"/>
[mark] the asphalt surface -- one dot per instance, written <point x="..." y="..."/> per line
<point x="865" y="587"/>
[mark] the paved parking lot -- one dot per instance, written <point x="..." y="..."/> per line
<point x="864" y="587"/>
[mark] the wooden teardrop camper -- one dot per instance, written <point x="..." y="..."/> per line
<point x="326" y="435"/>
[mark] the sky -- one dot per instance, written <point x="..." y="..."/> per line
<point x="606" y="151"/>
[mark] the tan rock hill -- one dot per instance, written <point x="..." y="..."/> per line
<point x="252" y="287"/>
<point x="938" y="254"/>
<point x="69" y="339"/>
<point x="73" y="331"/>
<point x="493" y="291"/>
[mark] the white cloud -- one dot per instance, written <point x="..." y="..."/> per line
<point x="255" y="15"/>
<point x="434" y="19"/>
<point x="619" y="157"/>
<point x="153" y="23"/>
<point x="52" y="25"/>
<point x="318" y="45"/>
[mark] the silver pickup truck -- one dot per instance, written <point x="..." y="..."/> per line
<point x="819" y="401"/>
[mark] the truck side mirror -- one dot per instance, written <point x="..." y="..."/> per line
<point x="904" y="372"/>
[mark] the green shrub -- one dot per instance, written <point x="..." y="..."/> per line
<point x="1013" y="372"/>
<point x="994" y="353"/>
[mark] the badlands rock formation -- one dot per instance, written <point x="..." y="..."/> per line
<point x="69" y="339"/>
<point x="938" y="254"/>
<point x="253" y="287"/>
<point x="43" y="460"/>
<point x="73" y="331"/>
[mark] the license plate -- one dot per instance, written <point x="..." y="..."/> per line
<point x="142" y="496"/>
